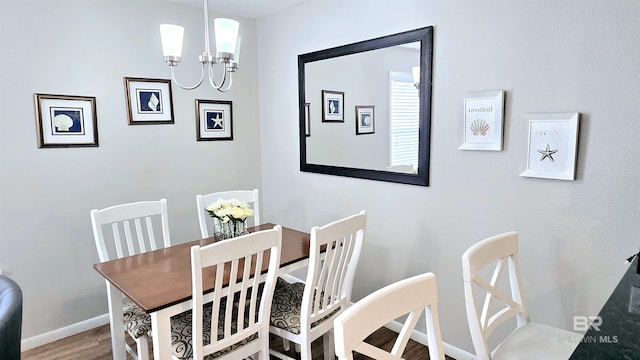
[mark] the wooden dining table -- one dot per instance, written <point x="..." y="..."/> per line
<point x="159" y="282"/>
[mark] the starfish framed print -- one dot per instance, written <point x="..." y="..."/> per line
<point x="482" y="121"/>
<point x="214" y="120"/>
<point x="553" y="145"/>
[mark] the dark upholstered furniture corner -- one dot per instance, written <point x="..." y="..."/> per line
<point x="10" y="319"/>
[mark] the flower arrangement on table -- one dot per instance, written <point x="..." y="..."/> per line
<point x="231" y="216"/>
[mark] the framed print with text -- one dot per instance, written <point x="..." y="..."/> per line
<point x="365" y="121"/>
<point x="482" y="121"/>
<point x="66" y="121"/>
<point x="553" y="145"/>
<point x="149" y="101"/>
<point x="332" y="106"/>
<point x="214" y="120"/>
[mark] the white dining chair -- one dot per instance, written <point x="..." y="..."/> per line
<point x="252" y="197"/>
<point x="529" y="340"/>
<point x="303" y="311"/>
<point x="125" y="230"/>
<point x="409" y="297"/>
<point x="239" y="311"/>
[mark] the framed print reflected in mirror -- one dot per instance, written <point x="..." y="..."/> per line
<point x="332" y="106"/>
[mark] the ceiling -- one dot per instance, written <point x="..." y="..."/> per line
<point x="253" y="9"/>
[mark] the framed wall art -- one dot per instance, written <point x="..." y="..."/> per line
<point x="482" y="121"/>
<point x="332" y="106"/>
<point x="307" y="119"/>
<point x="553" y="145"/>
<point x="214" y="120"/>
<point x="149" y="101"/>
<point x="365" y="120"/>
<point x="66" y="121"/>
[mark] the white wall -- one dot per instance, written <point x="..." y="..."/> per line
<point x="80" y="47"/>
<point x="549" y="56"/>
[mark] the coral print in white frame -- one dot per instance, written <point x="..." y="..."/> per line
<point x="365" y="121"/>
<point x="214" y="120"/>
<point x="332" y="106"/>
<point x="149" y="101"/>
<point x="553" y="145"/>
<point x="483" y="121"/>
<point x="66" y="121"/>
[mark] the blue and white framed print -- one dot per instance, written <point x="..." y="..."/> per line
<point x="149" y="101"/>
<point x="214" y="120"/>
<point x="66" y="121"/>
<point x="365" y="121"/>
<point x="553" y="145"/>
<point x="332" y="106"/>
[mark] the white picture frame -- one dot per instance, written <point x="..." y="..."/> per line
<point x="482" y="121"/>
<point x="552" y="145"/>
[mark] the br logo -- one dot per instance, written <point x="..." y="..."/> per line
<point x="582" y="323"/>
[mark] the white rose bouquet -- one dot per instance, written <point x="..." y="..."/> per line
<point x="231" y="215"/>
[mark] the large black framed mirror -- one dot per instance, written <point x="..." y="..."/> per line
<point x="363" y="111"/>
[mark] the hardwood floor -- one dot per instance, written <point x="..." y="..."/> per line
<point x="95" y="344"/>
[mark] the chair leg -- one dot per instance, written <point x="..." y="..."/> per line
<point x="142" y="344"/>
<point x="305" y="350"/>
<point x="327" y="344"/>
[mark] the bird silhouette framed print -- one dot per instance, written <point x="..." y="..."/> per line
<point x="66" y="121"/>
<point x="365" y="121"/>
<point x="553" y="145"/>
<point x="214" y="120"/>
<point x="332" y="106"/>
<point x="149" y="101"/>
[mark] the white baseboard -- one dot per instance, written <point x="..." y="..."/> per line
<point x="64" y="332"/>
<point x="450" y="350"/>
<point x="73" y="329"/>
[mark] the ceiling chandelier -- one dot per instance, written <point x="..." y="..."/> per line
<point x="227" y="50"/>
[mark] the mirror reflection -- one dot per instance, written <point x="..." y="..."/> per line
<point x="385" y="137"/>
<point x="364" y="111"/>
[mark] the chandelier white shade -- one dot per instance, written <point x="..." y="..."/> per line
<point x="227" y="50"/>
<point x="171" y="36"/>
<point x="226" y="31"/>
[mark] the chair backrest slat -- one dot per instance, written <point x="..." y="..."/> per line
<point x="334" y="253"/>
<point x="145" y="217"/>
<point x="412" y="297"/>
<point x="498" y="306"/>
<point x="241" y="259"/>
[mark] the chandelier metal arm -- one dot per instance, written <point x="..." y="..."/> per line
<point x="173" y="77"/>
<point x="212" y="80"/>
<point x="172" y="49"/>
